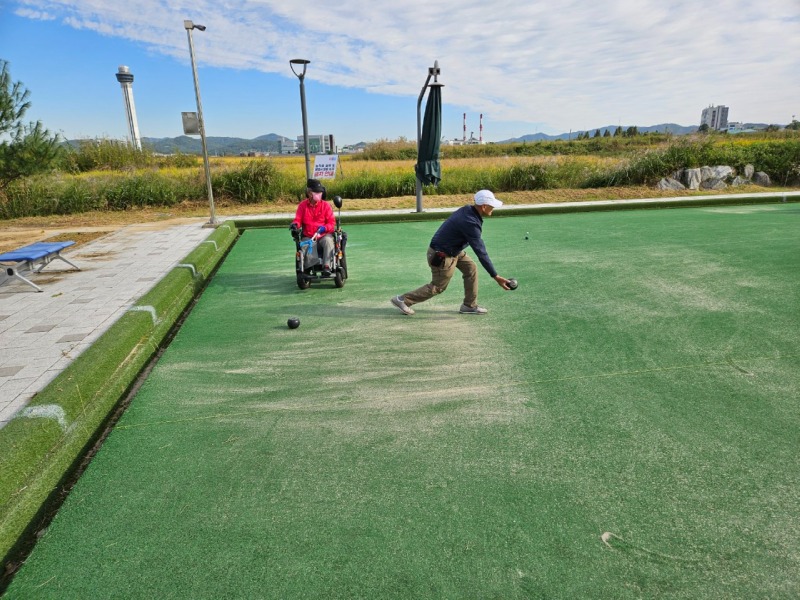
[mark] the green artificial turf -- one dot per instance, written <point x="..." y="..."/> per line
<point x="624" y="425"/>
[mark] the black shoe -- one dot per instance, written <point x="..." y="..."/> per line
<point x="326" y="271"/>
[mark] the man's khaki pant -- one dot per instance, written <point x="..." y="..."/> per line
<point x="441" y="276"/>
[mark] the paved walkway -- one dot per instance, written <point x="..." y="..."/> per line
<point x="42" y="332"/>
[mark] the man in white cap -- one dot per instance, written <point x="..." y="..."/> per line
<point x="446" y="254"/>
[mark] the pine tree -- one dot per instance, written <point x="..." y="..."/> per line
<point x="26" y="149"/>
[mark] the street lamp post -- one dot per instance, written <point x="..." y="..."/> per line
<point x="189" y="26"/>
<point x="301" y="76"/>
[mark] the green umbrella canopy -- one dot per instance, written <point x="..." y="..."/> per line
<point x="428" y="169"/>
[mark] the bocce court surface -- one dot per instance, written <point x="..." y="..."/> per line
<point x="624" y="425"/>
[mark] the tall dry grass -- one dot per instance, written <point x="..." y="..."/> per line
<point x="281" y="179"/>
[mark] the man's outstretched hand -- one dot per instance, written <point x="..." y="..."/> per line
<point x="502" y="282"/>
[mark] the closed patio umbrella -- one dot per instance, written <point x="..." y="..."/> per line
<point x="428" y="169"/>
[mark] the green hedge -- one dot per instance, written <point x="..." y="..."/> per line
<point x="36" y="453"/>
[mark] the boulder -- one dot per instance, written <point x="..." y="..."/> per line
<point x="721" y="172"/>
<point x="691" y="179"/>
<point x="713" y="183"/>
<point x="739" y="180"/>
<point x="748" y="171"/>
<point x="762" y="179"/>
<point x="668" y="183"/>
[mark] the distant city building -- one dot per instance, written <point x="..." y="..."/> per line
<point x="354" y="149"/>
<point x="288" y="146"/>
<point x="317" y="144"/>
<point x="473" y="140"/>
<point x="735" y="127"/>
<point x="716" y="117"/>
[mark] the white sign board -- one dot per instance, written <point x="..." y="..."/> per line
<point x="325" y="166"/>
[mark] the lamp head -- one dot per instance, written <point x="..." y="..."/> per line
<point x="299" y="61"/>
<point x="188" y="25"/>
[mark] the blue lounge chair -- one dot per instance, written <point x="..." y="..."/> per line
<point x="32" y="258"/>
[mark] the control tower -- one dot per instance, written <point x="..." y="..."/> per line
<point x="125" y="78"/>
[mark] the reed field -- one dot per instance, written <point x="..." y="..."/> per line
<point x="112" y="177"/>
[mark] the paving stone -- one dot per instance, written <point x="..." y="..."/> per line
<point x="40" y="328"/>
<point x="73" y="337"/>
<point x="10" y="371"/>
<point x="13" y="387"/>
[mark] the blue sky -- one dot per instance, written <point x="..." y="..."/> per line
<point x="526" y="66"/>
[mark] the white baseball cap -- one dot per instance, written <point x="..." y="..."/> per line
<point x="487" y="197"/>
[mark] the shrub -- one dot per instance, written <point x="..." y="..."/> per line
<point x="105" y="154"/>
<point x="779" y="159"/>
<point x="652" y="165"/>
<point x="76" y="196"/>
<point x="257" y="181"/>
<point x="524" y="177"/>
<point x="386" y="150"/>
<point x="141" y="189"/>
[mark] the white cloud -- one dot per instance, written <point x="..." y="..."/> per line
<point x="569" y="64"/>
<point x="35" y="14"/>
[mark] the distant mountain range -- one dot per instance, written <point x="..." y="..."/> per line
<point x="672" y="128"/>
<point x="184" y="144"/>
<point x="271" y="142"/>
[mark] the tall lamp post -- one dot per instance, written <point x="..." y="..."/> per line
<point x="189" y="26"/>
<point x="301" y="76"/>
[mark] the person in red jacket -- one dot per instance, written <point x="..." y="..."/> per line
<point x="314" y="217"/>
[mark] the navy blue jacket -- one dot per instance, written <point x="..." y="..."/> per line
<point x="463" y="228"/>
